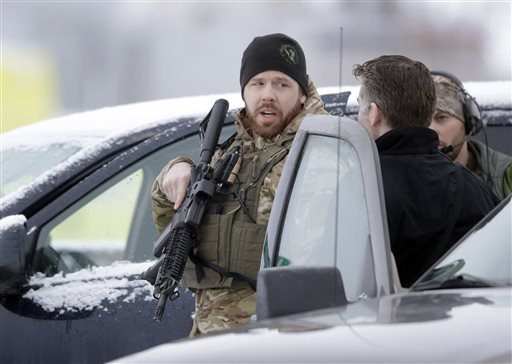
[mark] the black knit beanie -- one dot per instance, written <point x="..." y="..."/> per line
<point x="274" y="52"/>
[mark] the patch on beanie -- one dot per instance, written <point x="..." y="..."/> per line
<point x="290" y="54"/>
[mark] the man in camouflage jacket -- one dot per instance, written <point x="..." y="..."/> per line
<point x="278" y="94"/>
<point x="457" y="117"/>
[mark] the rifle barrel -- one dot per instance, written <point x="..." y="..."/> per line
<point x="217" y="116"/>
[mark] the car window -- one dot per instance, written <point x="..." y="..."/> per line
<point x="113" y="221"/>
<point x="326" y="222"/>
<point x="485" y="254"/>
<point x="97" y="232"/>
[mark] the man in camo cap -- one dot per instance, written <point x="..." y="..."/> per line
<point x="278" y="94"/>
<point x="457" y="117"/>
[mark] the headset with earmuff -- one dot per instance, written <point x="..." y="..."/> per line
<point x="472" y="116"/>
<point x="472" y="119"/>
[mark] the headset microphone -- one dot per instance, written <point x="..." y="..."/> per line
<point x="450" y="148"/>
<point x="446" y="150"/>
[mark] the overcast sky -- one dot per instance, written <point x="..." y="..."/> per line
<point x="102" y="53"/>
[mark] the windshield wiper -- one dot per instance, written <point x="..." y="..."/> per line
<point x="459" y="281"/>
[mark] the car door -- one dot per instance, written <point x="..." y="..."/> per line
<point x="85" y="250"/>
<point x="329" y="209"/>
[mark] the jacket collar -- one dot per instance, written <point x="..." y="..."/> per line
<point x="408" y="140"/>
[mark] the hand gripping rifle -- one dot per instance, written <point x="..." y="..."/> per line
<point x="176" y="242"/>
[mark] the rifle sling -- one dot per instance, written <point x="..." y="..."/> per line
<point x="228" y="141"/>
<point x="200" y="263"/>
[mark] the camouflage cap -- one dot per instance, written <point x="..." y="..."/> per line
<point x="449" y="97"/>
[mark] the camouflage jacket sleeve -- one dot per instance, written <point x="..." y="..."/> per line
<point x="162" y="208"/>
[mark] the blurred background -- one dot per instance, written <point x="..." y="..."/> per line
<point x="60" y="57"/>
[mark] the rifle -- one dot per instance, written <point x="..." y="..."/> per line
<point x="178" y="239"/>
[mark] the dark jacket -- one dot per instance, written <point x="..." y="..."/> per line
<point x="420" y="188"/>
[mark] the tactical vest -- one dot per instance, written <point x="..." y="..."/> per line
<point x="230" y="240"/>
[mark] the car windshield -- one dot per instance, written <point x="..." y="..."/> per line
<point x="22" y="164"/>
<point x="482" y="259"/>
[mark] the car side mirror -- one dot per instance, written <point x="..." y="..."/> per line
<point x="294" y="289"/>
<point x="13" y="234"/>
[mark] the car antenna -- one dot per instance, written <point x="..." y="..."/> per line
<point x="338" y="154"/>
<point x="340" y="75"/>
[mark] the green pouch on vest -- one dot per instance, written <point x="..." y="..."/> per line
<point x="246" y="256"/>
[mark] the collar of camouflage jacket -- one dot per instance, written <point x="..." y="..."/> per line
<point x="313" y="105"/>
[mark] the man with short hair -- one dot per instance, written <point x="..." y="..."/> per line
<point x="431" y="202"/>
<point x="278" y="94"/>
<point x="457" y="117"/>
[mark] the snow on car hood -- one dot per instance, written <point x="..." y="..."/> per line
<point x="89" y="288"/>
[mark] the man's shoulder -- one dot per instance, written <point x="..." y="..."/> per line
<point x="481" y="149"/>
<point x="476" y="189"/>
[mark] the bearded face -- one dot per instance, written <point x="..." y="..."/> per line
<point x="269" y="120"/>
<point x="272" y="100"/>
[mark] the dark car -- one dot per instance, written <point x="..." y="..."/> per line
<point x="76" y="229"/>
<point x="76" y="221"/>
<point x="329" y="291"/>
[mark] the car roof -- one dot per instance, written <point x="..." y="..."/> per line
<point x="102" y="132"/>
<point x="121" y="119"/>
<point x="92" y="126"/>
<point x="104" y="123"/>
<point x="491" y="94"/>
<point x="488" y="95"/>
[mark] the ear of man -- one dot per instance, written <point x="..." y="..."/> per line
<point x="378" y="123"/>
<point x="374" y="115"/>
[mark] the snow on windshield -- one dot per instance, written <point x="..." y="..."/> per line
<point x="89" y="288"/>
